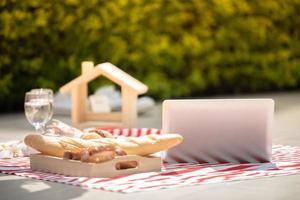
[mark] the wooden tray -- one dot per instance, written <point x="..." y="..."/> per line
<point x="107" y="169"/>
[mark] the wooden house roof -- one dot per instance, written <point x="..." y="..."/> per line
<point x="112" y="73"/>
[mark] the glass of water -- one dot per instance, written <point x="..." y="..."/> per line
<point x="50" y="97"/>
<point x="38" y="109"/>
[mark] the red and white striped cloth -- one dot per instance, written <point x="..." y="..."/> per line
<point x="133" y="132"/>
<point x="285" y="161"/>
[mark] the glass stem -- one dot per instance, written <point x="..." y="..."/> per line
<point x="40" y="129"/>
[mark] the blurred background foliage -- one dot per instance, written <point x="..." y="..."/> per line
<point x="178" y="48"/>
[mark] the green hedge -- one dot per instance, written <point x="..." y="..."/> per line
<point x="179" y="48"/>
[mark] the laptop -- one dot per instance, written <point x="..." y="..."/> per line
<point x="220" y="130"/>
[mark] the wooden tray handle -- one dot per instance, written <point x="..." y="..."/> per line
<point x="131" y="162"/>
<point x="124" y="165"/>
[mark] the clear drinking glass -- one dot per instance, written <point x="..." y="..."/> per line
<point x="50" y="97"/>
<point x="38" y="109"/>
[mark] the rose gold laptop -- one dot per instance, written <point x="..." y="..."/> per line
<point x="220" y="131"/>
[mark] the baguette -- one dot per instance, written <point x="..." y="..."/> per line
<point x="46" y="145"/>
<point x="56" y="146"/>
<point x="143" y="145"/>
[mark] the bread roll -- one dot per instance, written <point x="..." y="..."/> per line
<point x="96" y="134"/>
<point x="142" y="146"/>
<point x="90" y="135"/>
<point x="99" y="157"/>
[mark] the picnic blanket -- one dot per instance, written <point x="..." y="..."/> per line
<point x="285" y="161"/>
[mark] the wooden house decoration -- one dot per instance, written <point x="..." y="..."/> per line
<point x="130" y="89"/>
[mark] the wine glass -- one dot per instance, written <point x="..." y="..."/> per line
<point x="38" y="109"/>
<point x="51" y="99"/>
